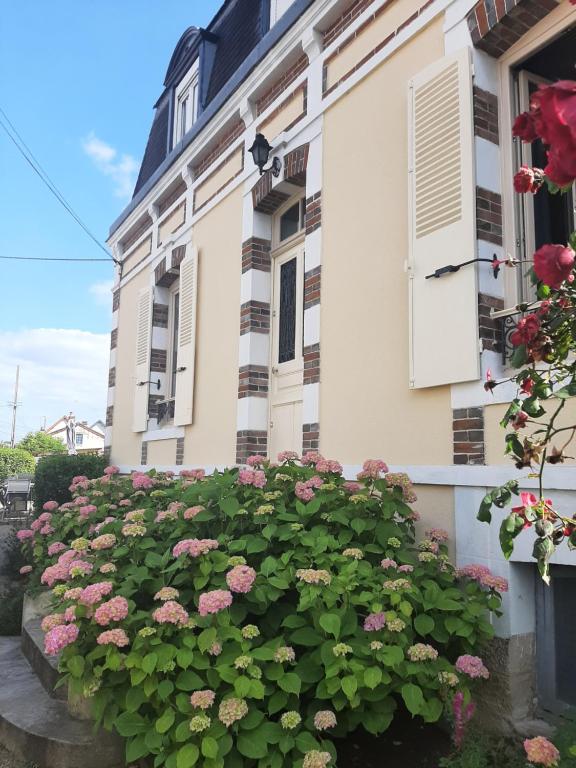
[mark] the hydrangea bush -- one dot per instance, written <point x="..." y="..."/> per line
<point x="249" y="617"/>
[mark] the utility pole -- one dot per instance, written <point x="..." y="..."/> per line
<point x="15" y="408"/>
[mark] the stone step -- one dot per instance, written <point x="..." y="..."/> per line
<point x="45" y="667"/>
<point x="39" y="728"/>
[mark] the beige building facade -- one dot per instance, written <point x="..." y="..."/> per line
<point x="258" y="312"/>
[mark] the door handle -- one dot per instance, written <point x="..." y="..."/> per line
<point x="274" y="369"/>
<point x="182" y="368"/>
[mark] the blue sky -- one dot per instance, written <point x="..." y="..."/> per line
<point x="79" y="80"/>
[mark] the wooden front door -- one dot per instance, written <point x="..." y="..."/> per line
<point x="287" y="364"/>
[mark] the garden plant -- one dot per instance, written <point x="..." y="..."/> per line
<point x="252" y="617"/>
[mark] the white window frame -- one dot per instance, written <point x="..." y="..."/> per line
<point x="277" y="9"/>
<point x="174" y="289"/>
<point x="79" y="441"/>
<point x="276" y="242"/>
<point x="186" y="91"/>
<point x="538" y="37"/>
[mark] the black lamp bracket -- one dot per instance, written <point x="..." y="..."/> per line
<point x="275" y="168"/>
<point x="494" y="261"/>
<point x="156" y="384"/>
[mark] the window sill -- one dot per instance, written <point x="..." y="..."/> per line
<point x="169" y="432"/>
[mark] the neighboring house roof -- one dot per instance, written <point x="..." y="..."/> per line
<point x="236" y="40"/>
<point x="99" y="426"/>
<point x="79" y="426"/>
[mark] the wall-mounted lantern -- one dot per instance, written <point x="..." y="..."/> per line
<point x="261" y="152"/>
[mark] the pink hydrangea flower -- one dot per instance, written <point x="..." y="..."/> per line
<point x="51" y="621"/>
<point x="115" y="637"/>
<point x="202" y="699"/>
<point x="171" y="612"/>
<point x="214" y="601"/>
<point x="473" y="666"/>
<point x="35" y="525"/>
<point x="193" y="474"/>
<point x="314" y="482"/>
<point x="166" y="514"/>
<point x="352" y="487"/>
<point x="324" y="719"/>
<point x="59" y="637"/>
<point x="25" y="570"/>
<point x="311" y="457"/>
<point x="288" y="456"/>
<point x="215" y="649"/>
<point x="191" y="512"/>
<point x="105" y="541"/>
<point x="540" y="751"/>
<point x="166" y="593"/>
<point x="374" y="622"/>
<point x="115" y="609"/>
<point x="194" y="547"/>
<point x="405" y="568"/>
<point x="241" y="578"/>
<point x="255" y="477"/>
<point x="94" y="593"/>
<point x="70" y="614"/>
<point x="328" y="465"/>
<point x="25" y="533"/>
<point x="54" y="573"/>
<point x="111" y="470"/>
<point x="372" y="469"/>
<point x="46" y="530"/>
<point x="55" y="548"/>
<point x="388" y="563"/>
<point x="483" y="576"/>
<point x="80" y="500"/>
<point x="303" y="491"/>
<point x="231" y="710"/>
<point x="255" y="461"/>
<point x="50" y="506"/>
<point x="141" y="481"/>
<point x="437" y="534"/>
<point x="422" y="652"/>
<point x="79" y="568"/>
<point x="73" y="594"/>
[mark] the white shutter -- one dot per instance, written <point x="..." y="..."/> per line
<point x="444" y="345"/>
<point x="183" y="406"/>
<point x="143" y="344"/>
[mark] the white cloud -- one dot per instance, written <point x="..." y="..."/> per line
<point x="60" y="371"/>
<point x="101" y="292"/>
<point x="122" y="169"/>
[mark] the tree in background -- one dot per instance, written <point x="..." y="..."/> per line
<point x="14" y="461"/>
<point x="41" y="444"/>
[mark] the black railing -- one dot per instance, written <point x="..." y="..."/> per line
<point x="165" y="411"/>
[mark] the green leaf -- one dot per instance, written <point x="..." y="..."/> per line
<point x="330" y="623"/>
<point x="136" y="748"/>
<point x="242" y="686"/>
<point x="134" y="698"/>
<point x="76" y="666"/>
<point x="251" y="747"/>
<point x="290" y="683"/>
<point x="209" y="747"/>
<point x="153" y="560"/>
<point x="165" y="721"/>
<point x="165" y="688"/>
<point x="413" y="698"/>
<point x="372" y="677"/>
<point x="184" y="658"/>
<point x="306" y="637"/>
<point x="306" y="742"/>
<point x="149" y="663"/>
<point x="424" y="624"/>
<point x="277" y="702"/>
<point x="484" y="514"/>
<point x="130" y="724"/>
<point x="187" y="756"/>
<point x="189" y="681"/>
<point x="349" y="685"/>
<point x="182" y="732"/>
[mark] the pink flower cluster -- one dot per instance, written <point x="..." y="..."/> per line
<point x="313" y="576"/>
<point x="166" y="514"/>
<point x="255" y="461"/>
<point x="329" y="465"/>
<point x="422" y="652"/>
<point x="55" y="548"/>
<point x="214" y="601"/>
<point x="461" y="716"/>
<point x="26" y="569"/>
<point x="374" y="622"/>
<point x="540" y="751"/>
<point x="24" y="533"/>
<point x="80" y="481"/>
<point x="352" y="487"/>
<point x="171" y="612"/>
<point x="94" y="593"/>
<point x="405" y="568"/>
<point x="140" y="481"/>
<point x="437" y="534"/>
<point x="202" y="699"/>
<point x="473" y="666"/>
<point x="388" y="563"/>
<point x="324" y="719"/>
<point x="372" y="469"/>
<point x="59" y="637"/>
<point x="193" y="474"/>
<point x="483" y="576"/>
<point x="115" y="637"/>
<point x="106" y="541"/>
<point x="111" y="470"/>
<point x="311" y="457"/>
<point x="288" y="456"/>
<point x="166" y="593"/>
<point x="51" y="621"/>
<point x="241" y="578"/>
<point x="194" y="547"/>
<point x="255" y="477"/>
<point x="191" y="512"/>
<point x="50" y="506"/>
<point x="62" y="569"/>
<point x="115" y="609"/>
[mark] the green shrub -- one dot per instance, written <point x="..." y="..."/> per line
<point x="11" y="601"/>
<point x="54" y="475"/>
<point x="485" y="751"/>
<point x="41" y="444"/>
<point x="15" y="461"/>
<point x="297" y="601"/>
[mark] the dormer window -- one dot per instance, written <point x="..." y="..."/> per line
<point x="186" y="104"/>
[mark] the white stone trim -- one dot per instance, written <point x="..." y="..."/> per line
<point x="255" y="285"/>
<point x="471" y="394"/>
<point x="488" y="165"/>
<point x="159" y="337"/>
<point x="166" y="433"/>
<point x="254" y="349"/>
<point x="312" y="326"/>
<point x="252" y="414"/>
<point x="311" y="403"/>
<point x="486" y="282"/>
<point x="313" y="253"/>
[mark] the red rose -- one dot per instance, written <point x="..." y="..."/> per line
<point x="553" y="264"/>
<point x="527" y="386"/>
<point x="528" y="179"/>
<point x="520" y="420"/>
<point x="524" y="127"/>
<point x="526" y="330"/>
<point x="554" y="108"/>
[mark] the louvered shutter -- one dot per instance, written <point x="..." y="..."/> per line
<point x="143" y="343"/>
<point x="444" y="345"/>
<point x="183" y="406"/>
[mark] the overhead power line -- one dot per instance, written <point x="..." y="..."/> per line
<point x="47" y="258"/>
<point x="12" y="133"/>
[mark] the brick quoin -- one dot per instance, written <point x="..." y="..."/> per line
<point x="311" y="364"/>
<point x="256" y="254"/>
<point x="252" y="381"/>
<point x="312" y="287"/>
<point x="254" y="317"/>
<point x="313" y="217"/>
<point x="486" y="115"/>
<point x="295" y="164"/>
<point x="114" y="338"/>
<point x="109" y="415"/>
<point x="115" y="300"/>
<point x="144" y="453"/>
<point x="250" y="442"/>
<point x="310" y="437"/>
<point x="160" y="315"/>
<point x="488" y="216"/>
<point x="468" y="435"/>
<point x="490" y="328"/>
<point x="179" y="451"/>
